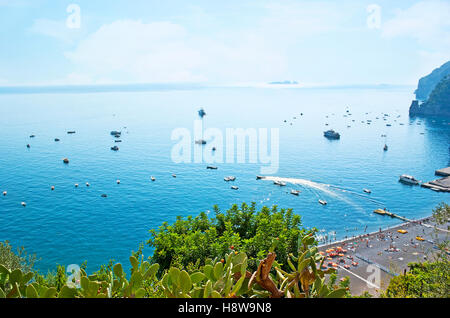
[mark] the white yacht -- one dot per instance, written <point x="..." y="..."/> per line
<point x="408" y="179"/>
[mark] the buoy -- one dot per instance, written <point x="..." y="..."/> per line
<point x="23" y="204"/>
<point x="4" y="193"/>
<point x="53" y="188"/>
<point x="118" y="181"/>
<point x="65" y="160"/>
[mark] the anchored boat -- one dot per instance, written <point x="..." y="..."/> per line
<point x="331" y="134"/>
<point x="408" y="179"/>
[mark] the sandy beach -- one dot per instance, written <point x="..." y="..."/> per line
<point x="371" y="260"/>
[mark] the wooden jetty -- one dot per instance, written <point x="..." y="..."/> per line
<point x="444" y="172"/>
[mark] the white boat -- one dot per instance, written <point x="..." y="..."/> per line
<point x="295" y="192"/>
<point x="367" y="191"/>
<point x="323" y="202"/>
<point x="280" y="183"/>
<point x="234" y="187"/>
<point x="408" y="179"/>
<point x="152" y="178"/>
<point x="229" y="178"/>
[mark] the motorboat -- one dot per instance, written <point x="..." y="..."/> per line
<point x="152" y="178"/>
<point x="56" y="139"/>
<point x="367" y="190"/>
<point x="331" y="134"/>
<point x="234" y="187"/>
<point x="200" y="142"/>
<point x="323" y="202"/>
<point x="115" y="148"/>
<point x="408" y="179"/>
<point x="65" y="160"/>
<point x="259" y="177"/>
<point x="115" y="133"/>
<point x="70" y="132"/>
<point x="211" y="167"/>
<point x="229" y="178"/>
<point x="201" y="113"/>
<point x="279" y="183"/>
<point x="385" y="148"/>
<point x="295" y="192"/>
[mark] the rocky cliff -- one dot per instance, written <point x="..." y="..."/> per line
<point x="438" y="102"/>
<point x="429" y="82"/>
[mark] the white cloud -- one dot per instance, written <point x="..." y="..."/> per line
<point x="133" y="51"/>
<point x="426" y="21"/>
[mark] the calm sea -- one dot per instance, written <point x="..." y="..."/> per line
<point x="70" y="225"/>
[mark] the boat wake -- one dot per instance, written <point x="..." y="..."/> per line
<point x="325" y="188"/>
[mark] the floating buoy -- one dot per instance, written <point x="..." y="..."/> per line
<point x="23" y="204"/>
<point x="53" y="188"/>
<point x="4" y="193"/>
<point x="65" y="160"/>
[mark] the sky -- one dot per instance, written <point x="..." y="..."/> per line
<point x="85" y="42"/>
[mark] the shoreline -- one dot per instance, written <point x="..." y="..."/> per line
<point x="383" y="230"/>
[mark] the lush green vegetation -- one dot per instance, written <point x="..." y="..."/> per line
<point x="189" y="242"/>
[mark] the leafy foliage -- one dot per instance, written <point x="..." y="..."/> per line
<point x="241" y="229"/>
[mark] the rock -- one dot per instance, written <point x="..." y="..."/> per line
<point x="428" y="83"/>
<point x="438" y="103"/>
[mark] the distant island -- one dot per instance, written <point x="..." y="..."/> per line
<point x="433" y="94"/>
<point x="284" y="83"/>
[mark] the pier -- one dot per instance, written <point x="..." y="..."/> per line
<point x="440" y="185"/>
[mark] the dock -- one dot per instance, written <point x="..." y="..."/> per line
<point x="444" y="172"/>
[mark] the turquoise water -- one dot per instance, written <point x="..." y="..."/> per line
<point x="70" y="225"/>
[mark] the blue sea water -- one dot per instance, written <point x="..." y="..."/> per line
<point x="70" y="225"/>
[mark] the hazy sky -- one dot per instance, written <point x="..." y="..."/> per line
<point x="228" y="41"/>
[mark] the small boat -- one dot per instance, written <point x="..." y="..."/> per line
<point x="104" y="195"/>
<point x="279" y="183"/>
<point x="174" y="175"/>
<point x="28" y="146"/>
<point x="76" y="185"/>
<point x="66" y="161"/>
<point x="56" y="139"/>
<point x="152" y="178"/>
<point x="259" y="177"/>
<point x="115" y="148"/>
<point x="385" y="148"/>
<point x="211" y="167"/>
<point x="331" y="134"/>
<point x="408" y="179"/>
<point x="213" y="148"/>
<point x="201" y="113"/>
<point x="355" y="264"/>
<point x="32" y="136"/>
<point x="70" y="132"/>
<point x="200" y="142"/>
<point x="118" y="181"/>
<point x="295" y="192"/>
<point x="5" y="193"/>
<point x="388" y="125"/>
<point x="87" y="184"/>
<point x="23" y="204"/>
<point x="234" y="187"/>
<point x="115" y="133"/>
<point x="118" y="140"/>
<point x="229" y="178"/>
<point x="323" y="202"/>
<point x="380" y="211"/>
<point x="53" y="188"/>
<point x="346" y="266"/>
<point x="367" y="191"/>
